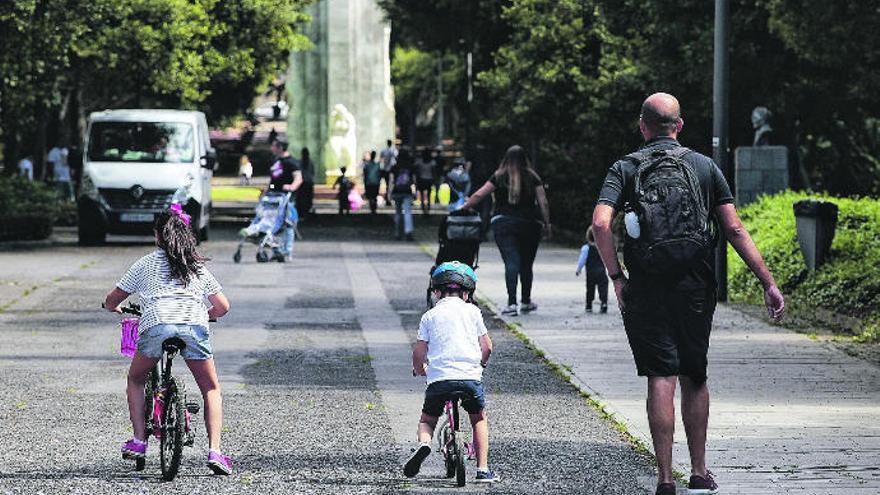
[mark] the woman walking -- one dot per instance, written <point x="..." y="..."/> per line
<point x="521" y="214"/>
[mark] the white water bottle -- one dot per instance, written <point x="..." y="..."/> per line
<point x="632" y="224"/>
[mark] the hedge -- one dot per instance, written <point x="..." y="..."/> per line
<point x="848" y="284"/>
<point x="27" y="209"/>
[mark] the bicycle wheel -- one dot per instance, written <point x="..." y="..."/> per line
<point x="172" y="426"/>
<point x="448" y="451"/>
<point x="459" y="461"/>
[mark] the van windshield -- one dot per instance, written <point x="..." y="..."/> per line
<point x="141" y="142"/>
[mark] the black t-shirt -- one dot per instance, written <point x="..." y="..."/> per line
<point x="281" y="172"/>
<point x="618" y="190"/>
<point x="527" y="206"/>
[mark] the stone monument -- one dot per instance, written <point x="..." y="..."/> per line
<point x="762" y="168"/>
<point x="343" y="101"/>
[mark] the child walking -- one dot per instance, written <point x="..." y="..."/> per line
<point x="344" y="184"/>
<point x="452" y="349"/>
<point x="596" y="276"/>
<point x="173" y="283"/>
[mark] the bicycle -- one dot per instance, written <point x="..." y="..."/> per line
<point x="450" y="441"/>
<point x="168" y="416"/>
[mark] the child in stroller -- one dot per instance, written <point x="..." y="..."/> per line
<point x="459" y="236"/>
<point x="266" y="227"/>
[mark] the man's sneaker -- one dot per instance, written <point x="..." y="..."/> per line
<point x="219" y="463"/>
<point x="134" y="449"/>
<point x="487" y="476"/>
<point x="665" y="489"/>
<point x="588" y="309"/>
<point x="603" y="308"/>
<point x="412" y="466"/>
<point x="528" y="307"/>
<point x="510" y="310"/>
<point x="702" y="485"/>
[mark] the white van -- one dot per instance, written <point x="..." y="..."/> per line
<point x="136" y="163"/>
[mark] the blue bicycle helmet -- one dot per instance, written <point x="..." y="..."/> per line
<point x="454" y="275"/>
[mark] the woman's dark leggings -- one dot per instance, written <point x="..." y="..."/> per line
<point x="518" y="242"/>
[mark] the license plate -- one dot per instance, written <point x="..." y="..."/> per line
<point x="136" y="217"/>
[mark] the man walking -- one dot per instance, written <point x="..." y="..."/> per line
<point x="285" y="175"/>
<point x="388" y="157"/>
<point x="673" y="197"/>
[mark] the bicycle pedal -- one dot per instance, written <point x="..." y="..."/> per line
<point x="192" y="407"/>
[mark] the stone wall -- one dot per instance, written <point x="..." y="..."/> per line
<point x="760" y="170"/>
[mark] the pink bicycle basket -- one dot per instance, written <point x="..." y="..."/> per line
<point x="128" y="344"/>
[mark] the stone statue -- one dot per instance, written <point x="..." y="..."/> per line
<point x="761" y="124"/>
<point x="341" y="148"/>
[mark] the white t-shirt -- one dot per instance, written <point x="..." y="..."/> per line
<point x="58" y="157"/>
<point x="26" y="168"/>
<point x="166" y="300"/>
<point x="452" y="330"/>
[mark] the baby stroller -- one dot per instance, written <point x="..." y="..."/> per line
<point x="266" y="227"/>
<point x="459" y="236"/>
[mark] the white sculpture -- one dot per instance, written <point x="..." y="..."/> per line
<point x="341" y="148"/>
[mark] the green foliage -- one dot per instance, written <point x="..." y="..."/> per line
<point x="27" y="209"/>
<point x="848" y="283"/>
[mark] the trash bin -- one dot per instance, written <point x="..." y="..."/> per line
<point x="816" y="223"/>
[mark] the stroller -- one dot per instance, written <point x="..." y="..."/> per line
<point x="459" y="236"/>
<point x="266" y="227"/>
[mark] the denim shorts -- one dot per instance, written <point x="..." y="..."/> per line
<point x="196" y="337"/>
<point x="473" y="398"/>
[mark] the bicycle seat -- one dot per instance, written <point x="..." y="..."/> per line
<point x="173" y="345"/>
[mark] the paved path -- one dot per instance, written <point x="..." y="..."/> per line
<point x="314" y="364"/>
<point x="788" y="415"/>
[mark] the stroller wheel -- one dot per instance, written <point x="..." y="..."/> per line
<point x="237" y="257"/>
<point x="262" y="257"/>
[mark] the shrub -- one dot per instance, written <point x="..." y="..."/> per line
<point x="847" y="284"/>
<point x="27" y="209"/>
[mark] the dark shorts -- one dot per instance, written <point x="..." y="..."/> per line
<point x="424" y="184"/>
<point x="473" y="398"/>
<point x="668" y="331"/>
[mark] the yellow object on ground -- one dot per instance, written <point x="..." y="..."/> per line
<point x="231" y="193"/>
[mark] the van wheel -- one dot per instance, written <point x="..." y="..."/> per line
<point x="90" y="235"/>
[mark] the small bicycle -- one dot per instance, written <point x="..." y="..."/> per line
<point x="450" y="441"/>
<point x="168" y="415"/>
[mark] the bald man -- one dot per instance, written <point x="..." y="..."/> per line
<point x="668" y="317"/>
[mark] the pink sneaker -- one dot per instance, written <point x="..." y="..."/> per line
<point x="219" y="463"/>
<point x="134" y="449"/>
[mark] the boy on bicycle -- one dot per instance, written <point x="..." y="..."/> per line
<point x="452" y="349"/>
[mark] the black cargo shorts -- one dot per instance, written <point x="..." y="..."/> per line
<point x="668" y="330"/>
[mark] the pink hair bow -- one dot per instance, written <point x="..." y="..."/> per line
<point x="176" y="209"/>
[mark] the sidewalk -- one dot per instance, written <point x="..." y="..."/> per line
<point x="788" y="414"/>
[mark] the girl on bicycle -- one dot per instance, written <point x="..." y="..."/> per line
<point x="173" y="283"/>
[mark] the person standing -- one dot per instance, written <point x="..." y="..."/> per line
<point x="372" y="178"/>
<point x="388" y="157"/>
<point x="596" y="277"/>
<point x="245" y="170"/>
<point x="521" y="214"/>
<point x="285" y="175"/>
<point x="61" y="170"/>
<point x="403" y="181"/>
<point x="26" y="168"/>
<point x="425" y="168"/>
<point x="668" y="297"/>
<point x="305" y="197"/>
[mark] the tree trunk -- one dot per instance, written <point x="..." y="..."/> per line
<point x="40" y="143"/>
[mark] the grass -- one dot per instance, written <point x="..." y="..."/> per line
<point x="231" y="193"/>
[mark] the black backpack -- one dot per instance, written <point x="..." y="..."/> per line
<point x="674" y="223"/>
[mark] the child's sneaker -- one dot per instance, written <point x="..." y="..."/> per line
<point x="412" y="466"/>
<point x="528" y="307"/>
<point x="510" y="310"/>
<point x="487" y="476"/>
<point x="219" y="463"/>
<point x="702" y="485"/>
<point x="134" y="449"/>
